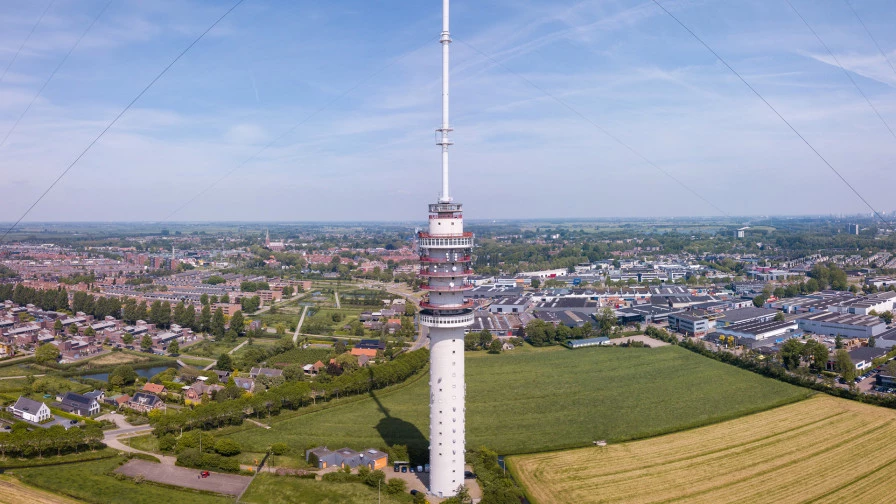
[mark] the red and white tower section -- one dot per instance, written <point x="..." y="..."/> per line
<point x="445" y="256"/>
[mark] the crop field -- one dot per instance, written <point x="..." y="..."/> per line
<point x="823" y="449"/>
<point x="532" y="400"/>
<point x="12" y="491"/>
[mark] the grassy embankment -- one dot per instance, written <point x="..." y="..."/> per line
<point x="94" y="482"/>
<point x="821" y="450"/>
<point x="268" y="489"/>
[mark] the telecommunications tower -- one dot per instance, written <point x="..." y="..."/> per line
<point x="445" y="255"/>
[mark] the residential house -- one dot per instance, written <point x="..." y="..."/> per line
<point x="256" y="372"/>
<point x="144" y="402"/>
<point x="364" y="352"/>
<point x="247" y="384"/>
<point x="154" y="388"/>
<point x="193" y="394"/>
<point x="30" y="410"/>
<point x="117" y="400"/>
<point x="78" y="404"/>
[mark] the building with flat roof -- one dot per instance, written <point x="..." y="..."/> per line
<point x="741" y="315"/>
<point x="589" y="342"/>
<point x="689" y="324"/>
<point x="510" y="305"/>
<point x="840" y="324"/>
<point x="760" y="333"/>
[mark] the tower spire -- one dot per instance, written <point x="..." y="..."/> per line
<point x="445" y="128"/>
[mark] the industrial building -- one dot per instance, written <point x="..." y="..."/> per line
<point x="839" y="324"/>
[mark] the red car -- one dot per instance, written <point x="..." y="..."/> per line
<point x="204" y="474"/>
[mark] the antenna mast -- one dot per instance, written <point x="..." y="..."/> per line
<point x="444" y="141"/>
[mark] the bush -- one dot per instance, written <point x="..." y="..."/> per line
<point x="396" y="486"/>
<point x="279" y="448"/>
<point x="340" y="477"/>
<point x="210" y="461"/>
<point x="227" y="447"/>
<point x="167" y="442"/>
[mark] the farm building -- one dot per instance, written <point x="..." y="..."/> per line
<point x="323" y="457"/>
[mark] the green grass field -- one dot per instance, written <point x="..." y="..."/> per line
<point x="533" y="400"/>
<point x="269" y="489"/>
<point x="92" y="482"/>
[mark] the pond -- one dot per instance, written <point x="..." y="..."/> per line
<point x="146" y="373"/>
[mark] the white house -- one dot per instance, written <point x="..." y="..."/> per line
<point x="30" y="410"/>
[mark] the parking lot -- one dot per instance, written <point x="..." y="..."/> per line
<point x="228" y="484"/>
<point x="420" y="481"/>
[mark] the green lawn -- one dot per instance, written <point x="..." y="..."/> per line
<point x="92" y="482"/>
<point x="213" y="349"/>
<point x="533" y="400"/>
<point x="269" y="489"/>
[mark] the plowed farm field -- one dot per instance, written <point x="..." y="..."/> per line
<point x="820" y="450"/>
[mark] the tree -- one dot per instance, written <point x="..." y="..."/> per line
<point x="890" y="368"/>
<point x="536" y="283"/>
<point x="871" y="342"/>
<point x="236" y="322"/>
<point x="779" y="317"/>
<point x="845" y="366"/>
<point x="89" y="331"/>
<point x="759" y="301"/>
<point x="279" y="448"/>
<point x="485" y="339"/>
<point x="146" y="343"/>
<point x="495" y="346"/>
<point x="46" y="353"/>
<point x="127" y="338"/>
<point x="791" y="352"/>
<point x="173" y="348"/>
<point x="203" y="299"/>
<point x="887" y="316"/>
<point x="122" y="375"/>
<point x="57" y="326"/>
<point x="224" y="362"/>
<point x="217" y="324"/>
<point x="73" y="329"/>
<point x="287" y="292"/>
<point x="606" y="320"/>
<point x="838" y="342"/>
<point x="205" y="318"/>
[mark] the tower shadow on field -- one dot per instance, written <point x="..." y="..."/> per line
<point x="396" y="431"/>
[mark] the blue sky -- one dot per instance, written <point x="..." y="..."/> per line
<point x="370" y="155"/>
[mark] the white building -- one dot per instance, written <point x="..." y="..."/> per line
<point x="30" y="410"/>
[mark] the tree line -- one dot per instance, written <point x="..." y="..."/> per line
<point x="22" y="442"/>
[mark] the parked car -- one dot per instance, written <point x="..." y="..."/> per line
<point x="425" y="467"/>
<point x="415" y="492"/>
<point x="404" y="469"/>
<point x="419" y="469"/>
<point x="411" y="469"/>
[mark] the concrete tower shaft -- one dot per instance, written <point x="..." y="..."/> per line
<point x="445" y="255"/>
